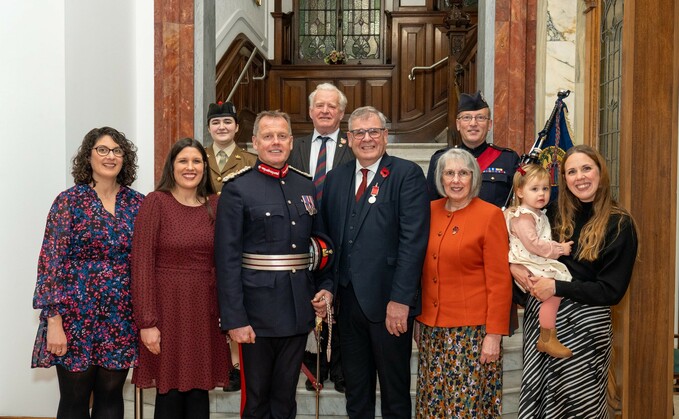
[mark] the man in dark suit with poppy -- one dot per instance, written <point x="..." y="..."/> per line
<point x="380" y="222"/>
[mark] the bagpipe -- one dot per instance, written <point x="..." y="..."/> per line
<point x="554" y="137"/>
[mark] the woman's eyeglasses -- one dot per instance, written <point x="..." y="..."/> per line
<point x="103" y="151"/>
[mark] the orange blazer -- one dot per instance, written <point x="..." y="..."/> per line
<point x="465" y="278"/>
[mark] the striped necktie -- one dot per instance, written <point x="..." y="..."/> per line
<point x="319" y="174"/>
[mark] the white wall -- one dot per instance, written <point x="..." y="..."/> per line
<point x="243" y="16"/>
<point x="68" y="66"/>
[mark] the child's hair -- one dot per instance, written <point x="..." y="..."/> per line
<point x="524" y="174"/>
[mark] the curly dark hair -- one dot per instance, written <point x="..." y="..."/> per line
<point x="167" y="181"/>
<point x="82" y="168"/>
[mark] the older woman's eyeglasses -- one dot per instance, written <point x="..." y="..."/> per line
<point x="462" y="174"/>
<point x="359" y="134"/>
<point x="479" y="118"/>
<point x="103" y="151"/>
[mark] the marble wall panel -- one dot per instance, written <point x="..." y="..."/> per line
<point x="173" y="75"/>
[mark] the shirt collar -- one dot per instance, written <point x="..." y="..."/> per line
<point x="373" y="167"/>
<point x="333" y="135"/>
<point x="228" y="150"/>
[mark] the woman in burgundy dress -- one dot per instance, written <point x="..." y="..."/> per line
<point x="183" y="353"/>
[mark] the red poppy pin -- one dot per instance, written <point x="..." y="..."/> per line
<point x="384" y="172"/>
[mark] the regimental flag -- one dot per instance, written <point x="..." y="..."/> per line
<point x="556" y="144"/>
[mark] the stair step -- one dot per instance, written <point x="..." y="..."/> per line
<point x="225" y="405"/>
<point x="332" y="403"/>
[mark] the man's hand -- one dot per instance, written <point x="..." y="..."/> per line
<point x="397" y="318"/>
<point x="245" y="334"/>
<point x="321" y="300"/>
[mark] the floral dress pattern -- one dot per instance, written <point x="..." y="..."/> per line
<point x="451" y="381"/>
<point x="84" y="275"/>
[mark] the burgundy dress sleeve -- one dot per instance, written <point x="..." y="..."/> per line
<point x="144" y="287"/>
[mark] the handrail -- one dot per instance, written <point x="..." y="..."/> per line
<point x="245" y="69"/>
<point x="411" y="76"/>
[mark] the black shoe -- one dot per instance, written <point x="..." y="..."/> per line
<point x="234" y="380"/>
<point x="339" y="386"/>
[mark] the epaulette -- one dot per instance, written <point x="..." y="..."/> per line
<point x="232" y="176"/>
<point x="244" y="151"/>
<point x="305" y="174"/>
<point x="497" y="147"/>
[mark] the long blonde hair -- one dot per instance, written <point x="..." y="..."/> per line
<point x="593" y="233"/>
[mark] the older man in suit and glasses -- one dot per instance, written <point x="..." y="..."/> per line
<point x="379" y="212"/>
<point x="317" y="154"/>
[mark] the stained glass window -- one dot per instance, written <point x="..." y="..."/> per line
<point x="610" y="69"/>
<point x="352" y="26"/>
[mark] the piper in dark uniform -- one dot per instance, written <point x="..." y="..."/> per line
<point x="223" y="154"/>
<point x="497" y="164"/>
<point x="267" y="293"/>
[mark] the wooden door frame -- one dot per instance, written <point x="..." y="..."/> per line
<point x="644" y="320"/>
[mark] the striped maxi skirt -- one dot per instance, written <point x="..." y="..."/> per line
<point x="567" y="388"/>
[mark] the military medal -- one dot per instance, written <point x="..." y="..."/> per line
<point x="309" y="204"/>
<point x="373" y="193"/>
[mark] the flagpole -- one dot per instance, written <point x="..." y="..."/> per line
<point x="534" y="154"/>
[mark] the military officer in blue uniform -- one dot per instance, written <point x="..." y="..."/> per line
<point x="497" y="164"/>
<point x="268" y="296"/>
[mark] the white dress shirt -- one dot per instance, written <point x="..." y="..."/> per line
<point x="372" y="169"/>
<point x="330" y="146"/>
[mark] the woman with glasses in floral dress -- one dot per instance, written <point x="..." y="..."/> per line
<point x="83" y="287"/>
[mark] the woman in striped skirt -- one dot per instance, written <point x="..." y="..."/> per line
<point x="601" y="262"/>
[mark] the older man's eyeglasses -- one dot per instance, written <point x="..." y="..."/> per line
<point x="103" y="151"/>
<point x="374" y="133"/>
<point x="462" y="174"/>
<point x="478" y="118"/>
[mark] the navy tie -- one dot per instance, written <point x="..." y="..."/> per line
<point x="319" y="174"/>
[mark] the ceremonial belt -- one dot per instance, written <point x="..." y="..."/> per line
<point x="276" y="262"/>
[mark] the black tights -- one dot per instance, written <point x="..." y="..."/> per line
<point x="175" y="404"/>
<point x="75" y="389"/>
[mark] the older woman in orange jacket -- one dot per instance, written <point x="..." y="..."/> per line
<point x="466" y="298"/>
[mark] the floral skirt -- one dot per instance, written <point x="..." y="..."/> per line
<point x="451" y="381"/>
